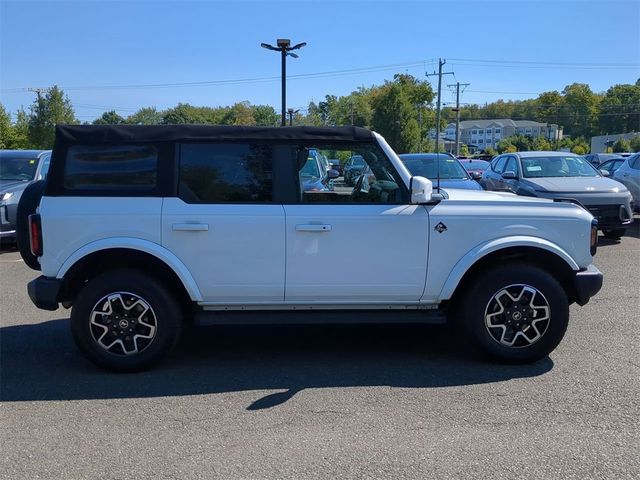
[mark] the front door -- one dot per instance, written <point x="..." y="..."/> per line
<point x="355" y="245"/>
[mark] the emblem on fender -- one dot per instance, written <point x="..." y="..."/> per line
<point x="440" y="227"/>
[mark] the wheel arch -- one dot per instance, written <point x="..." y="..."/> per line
<point x="152" y="259"/>
<point x="538" y="252"/>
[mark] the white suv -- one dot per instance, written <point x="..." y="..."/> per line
<point x="143" y="228"/>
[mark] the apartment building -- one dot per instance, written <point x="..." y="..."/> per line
<point x="480" y="134"/>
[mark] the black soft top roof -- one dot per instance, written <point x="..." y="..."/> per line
<point x="108" y="134"/>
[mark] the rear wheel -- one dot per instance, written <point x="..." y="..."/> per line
<point x="125" y="320"/>
<point x="516" y="313"/>
<point x="614" y="233"/>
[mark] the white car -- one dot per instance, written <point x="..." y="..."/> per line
<point x="143" y="228"/>
<point x="629" y="174"/>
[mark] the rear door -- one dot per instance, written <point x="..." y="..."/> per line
<point x="224" y="225"/>
<point x="356" y="245"/>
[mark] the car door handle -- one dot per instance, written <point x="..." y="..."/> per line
<point x="190" y="227"/>
<point x="313" y="228"/>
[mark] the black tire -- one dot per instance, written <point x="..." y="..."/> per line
<point x="480" y="301"/>
<point x="29" y="201"/>
<point x="165" y="313"/>
<point x="614" y="234"/>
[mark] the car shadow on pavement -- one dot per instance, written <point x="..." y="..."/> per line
<point x="632" y="231"/>
<point x="40" y="362"/>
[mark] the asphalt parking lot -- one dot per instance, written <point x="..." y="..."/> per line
<point x="326" y="402"/>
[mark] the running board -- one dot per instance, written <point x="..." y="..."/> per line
<point x="318" y="317"/>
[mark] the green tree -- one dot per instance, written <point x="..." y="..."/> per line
<point x="109" y="118"/>
<point x="540" y="144"/>
<point x="490" y="151"/>
<point x="21" y="131"/>
<point x="621" y="145"/>
<point x="620" y="109"/>
<point x="46" y="112"/>
<point x="580" y="110"/>
<point x="548" y="107"/>
<point x="265" y="115"/>
<point x="239" y="113"/>
<point x="634" y="144"/>
<point x="6" y="129"/>
<point x="464" y="150"/>
<point x="145" y="116"/>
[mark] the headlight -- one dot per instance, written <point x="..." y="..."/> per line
<point x="6" y="196"/>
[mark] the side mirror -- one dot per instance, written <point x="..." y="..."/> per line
<point x="605" y="173"/>
<point x="421" y="190"/>
<point x="475" y="175"/>
<point x="333" y="174"/>
<point x="509" y="175"/>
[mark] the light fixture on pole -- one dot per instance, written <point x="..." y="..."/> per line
<point x="285" y="50"/>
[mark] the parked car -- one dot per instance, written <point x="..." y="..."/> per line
<point x="452" y="173"/>
<point x="629" y="175"/>
<point x="18" y="168"/>
<point x="336" y="165"/>
<point x="561" y="176"/>
<point x="353" y="168"/>
<point x="611" y="165"/>
<point x="475" y="168"/>
<point x="598" y="158"/>
<point x="314" y="177"/>
<point x="143" y="228"/>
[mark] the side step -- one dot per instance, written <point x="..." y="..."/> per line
<point x="318" y="317"/>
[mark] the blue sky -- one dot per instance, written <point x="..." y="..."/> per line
<point x="99" y="44"/>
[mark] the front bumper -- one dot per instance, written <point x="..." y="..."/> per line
<point x="44" y="292"/>
<point x="587" y="283"/>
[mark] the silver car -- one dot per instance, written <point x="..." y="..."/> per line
<point x="629" y="174"/>
<point x="563" y="176"/>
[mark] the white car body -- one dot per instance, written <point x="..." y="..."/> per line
<point x="243" y="257"/>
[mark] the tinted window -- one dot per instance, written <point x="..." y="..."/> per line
<point x="512" y="165"/>
<point x="425" y="165"/>
<point x="46" y="160"/>
<point x="225" y="173"/>
<point x="498" y="164"/>
<point x="109" y="168"/>
<point x="635" y="163"/>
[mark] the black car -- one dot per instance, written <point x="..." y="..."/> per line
<point x="353" y="168"/>
<point x="475" y="168"/>
<point x="18" y="168"/>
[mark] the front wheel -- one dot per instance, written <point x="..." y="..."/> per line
<point x="614" y="233"/>
<point x="125" y="320"/>
<point x="515" y="313"/>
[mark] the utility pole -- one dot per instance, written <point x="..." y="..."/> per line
<point x="351" y="107"/>
<point x="441" y="63"/>
<point x="291" y="112"/>
<point x="38" y="91"/>
<point x="458" y="85"/>
<point x="420" y="127"/>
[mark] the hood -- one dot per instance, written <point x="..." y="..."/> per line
<point x="576" y="184"/>
<point x="490" y="196"/>
<point x="463" y="183"/>
<point x="12" y="185"/>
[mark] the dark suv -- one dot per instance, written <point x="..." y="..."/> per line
<point x="18" y="168"/>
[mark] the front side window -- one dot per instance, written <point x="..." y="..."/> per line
<point x="512" y="165"/>
<point x="368" y="176"/>
<point x="498" y="164"/>
<point x="225" y="173"/>
<point x="111" y="168"/>
<point x="557" y="166"/>
<point x="635" y="162"/>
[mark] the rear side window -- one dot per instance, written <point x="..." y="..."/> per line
<point x="635" y="163"/>
<point x="225" y="173"/>
<point x="111" y="168"/>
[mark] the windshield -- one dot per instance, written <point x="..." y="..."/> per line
<point x="538" y="167"/>
<point x="18" y="168"/>
<point x="450" y="169"/>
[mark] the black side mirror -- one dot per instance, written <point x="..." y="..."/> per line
<point x="509" y="175"/>
<point x="475" y="175"/>
<point x="333" y="174"/>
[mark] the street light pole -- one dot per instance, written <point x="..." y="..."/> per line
<point x="285" y="50"/>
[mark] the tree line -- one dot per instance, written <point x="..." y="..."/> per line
<point x="401" y="110"/>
